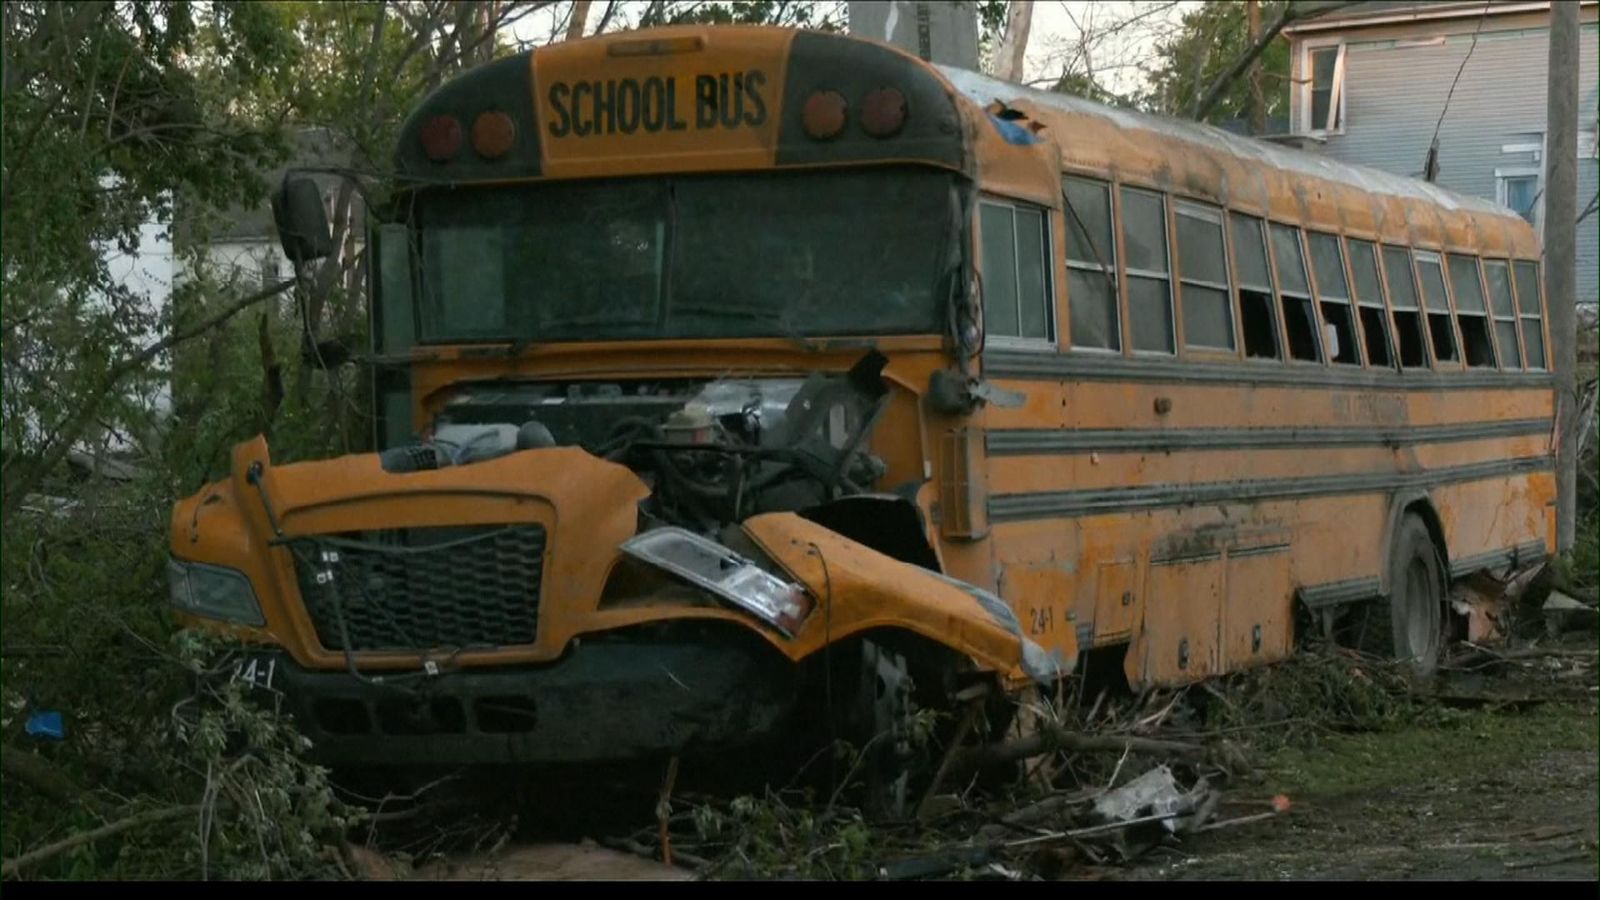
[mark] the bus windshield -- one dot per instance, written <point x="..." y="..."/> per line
<point x="861" y="252"/>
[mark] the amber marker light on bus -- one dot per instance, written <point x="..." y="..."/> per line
<point x="823" y="114"/>
<point x="662" y="47"/>
<point x="883" y="112"/>
<point x="441" y="138"/>
<point x="492" y="134"/>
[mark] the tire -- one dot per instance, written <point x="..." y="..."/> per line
<point x="1408" y="624"/>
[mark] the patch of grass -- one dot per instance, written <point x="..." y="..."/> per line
<point x="1454" y="739"/>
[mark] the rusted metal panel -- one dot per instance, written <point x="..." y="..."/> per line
<point x="1179" y="641"/>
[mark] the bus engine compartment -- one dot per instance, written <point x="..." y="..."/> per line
<point x="713" y="452"/>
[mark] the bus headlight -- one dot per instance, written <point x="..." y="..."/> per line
<point x="213" y="592"/>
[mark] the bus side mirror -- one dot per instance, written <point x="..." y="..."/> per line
<point x="301" y="220"/>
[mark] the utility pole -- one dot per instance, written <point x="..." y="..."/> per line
<point x="940" y="31"/>
<point x="1560" y="254"/>
<point x="1258" y="103"/>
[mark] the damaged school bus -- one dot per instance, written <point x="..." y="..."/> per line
<point x="723" y="369"/>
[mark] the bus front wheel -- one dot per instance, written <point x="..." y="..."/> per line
<point x="1408" y="625"/>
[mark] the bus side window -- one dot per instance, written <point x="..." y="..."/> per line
<point x="1144" y="239"/>
<point x="1257" y="313"/>
<point x="1471" y="313"/>
<point x="1408" y="327"/>
<point x="1091" y="266"/>
<point x="1327" y="266"/>
<point x="1203" y="276"/>
<point x="1440" y="328"/>
<point x="1498" y="275"/>
<point x="1299" y="318"/>
<point x="1369" y="299"/>
<point x="1527" y="282"/>
<point x="1016" y="280"/>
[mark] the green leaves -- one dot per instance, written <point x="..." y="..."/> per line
<point x="1212" y="37"/>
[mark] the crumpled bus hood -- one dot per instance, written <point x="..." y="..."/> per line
<point x="590" y="508"/>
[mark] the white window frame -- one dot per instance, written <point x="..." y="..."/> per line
<point x="1336" y="101"/>
<point x="1502" y="196"/>
<point x="1011" y="341"/>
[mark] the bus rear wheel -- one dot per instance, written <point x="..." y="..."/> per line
<point x="1408" y="625"/>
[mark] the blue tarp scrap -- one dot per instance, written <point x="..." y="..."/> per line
<point x="46" y="724"/>
<point x="1013" y="133"/>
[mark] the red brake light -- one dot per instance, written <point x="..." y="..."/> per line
<point x="883" y="113"/>
<point x="493" y="134"/>
<point x="441" y="138"/>
<point x="823" y="114"/>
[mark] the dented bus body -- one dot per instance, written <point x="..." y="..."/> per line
<point x="736" y="381"/>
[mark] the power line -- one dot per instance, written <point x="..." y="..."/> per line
<point x="1430" y="166"/>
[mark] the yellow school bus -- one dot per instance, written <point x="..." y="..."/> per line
<point x="734" y="383"/>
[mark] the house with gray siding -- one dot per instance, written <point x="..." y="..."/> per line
<point x="1371" y="84"/>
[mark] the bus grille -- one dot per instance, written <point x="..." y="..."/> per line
<point x="423" y="588"/>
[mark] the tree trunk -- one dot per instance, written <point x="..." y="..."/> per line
<point x="580" y="19"/>
<point x="1258" y="103"/>
<point x="1014" y="43"/>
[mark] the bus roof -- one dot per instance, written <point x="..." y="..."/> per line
<point x="984" y="90"/>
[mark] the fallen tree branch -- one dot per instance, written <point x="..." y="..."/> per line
<point x="40" y="774"/>
<point x="11" y="866"/>
<point x="1538" y="653"/>
<point x="1051" y="738"/>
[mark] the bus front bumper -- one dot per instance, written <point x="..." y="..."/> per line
<point x="613" y="700"/>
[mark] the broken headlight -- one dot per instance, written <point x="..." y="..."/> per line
<point x="708" y="564"/>
<point x="213" y="592"/>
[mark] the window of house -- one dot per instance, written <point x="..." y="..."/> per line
<point x="1258" y="318"/>
<point x="1322" y="102"/>
<point x="1369" y="301"/>
<point x="1518" y="189"/>
<point x="1472" y="314"/>
<point x="1203" y="278"/>
<point x="1299" y="317"/>
<point x="1430" y="272"/>
<point x="1527" y="281"/>
<point x="1339" y="328"/>
<point x="1498" y="277"/>
<point x="1144" y="250"/>
<point x="1016" y="272"/>
<point x="1091" y="266"/>
<point x="1409" y="331"/>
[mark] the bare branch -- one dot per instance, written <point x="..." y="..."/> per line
<point x="12" y="866"/>
<point x="1589" y="208"/>
<point x="1226" y="79"/>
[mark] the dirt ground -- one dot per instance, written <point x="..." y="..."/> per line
<point x="1499" y="779"/>
<point x="1507" y="793"/>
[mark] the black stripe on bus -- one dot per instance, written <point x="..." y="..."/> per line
<point x="1093" y="367"/>
<point x="1494" y="559"/>
<point x="1019" y="441"/>
<point x="1338" y="593"/>
<point x="1067" y="504"/>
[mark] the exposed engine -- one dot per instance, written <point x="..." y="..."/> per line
<point x="712" y="451"/>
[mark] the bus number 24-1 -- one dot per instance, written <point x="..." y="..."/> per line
<point x="1043" y="619"/>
